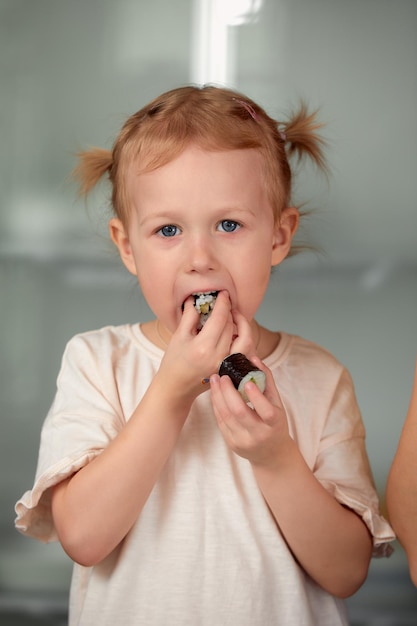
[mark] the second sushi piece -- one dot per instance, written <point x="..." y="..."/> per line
<point x="240" y="370"/>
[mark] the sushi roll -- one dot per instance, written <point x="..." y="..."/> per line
<point x="241" y="371"/>
<point x="204" y="303"/>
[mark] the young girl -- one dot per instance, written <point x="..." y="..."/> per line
<point x="179" y="502"/>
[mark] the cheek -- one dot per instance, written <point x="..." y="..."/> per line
<point x="253" y="283"/>
<point x="155" y="297"/>
<point x="150" y="274"/>
<point x="156" y="280"/>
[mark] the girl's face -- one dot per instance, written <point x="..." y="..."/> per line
<point x="202" y="223"/>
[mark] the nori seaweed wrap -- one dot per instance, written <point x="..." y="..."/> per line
<point x="241" y="370"/>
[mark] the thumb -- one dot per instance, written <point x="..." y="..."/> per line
<point x="190" y="315"/>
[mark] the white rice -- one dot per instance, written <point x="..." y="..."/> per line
<point x="204" y="303"/>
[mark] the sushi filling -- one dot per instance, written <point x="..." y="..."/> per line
<point x="257" y="377"/>
<point x="204" y="304"/>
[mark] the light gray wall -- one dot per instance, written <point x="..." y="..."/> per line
<point x="71" y="71"/>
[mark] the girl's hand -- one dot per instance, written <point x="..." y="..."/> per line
<point x="243" y="337"/>
<point x="192" y="355"/>
<point x="259" y="434"/>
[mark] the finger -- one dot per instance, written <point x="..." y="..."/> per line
<point x="243" y="341"/>
<point x="221" y="309"/>
<point x="190" y="315"/>
<point x="221" y="312"/>
<point x="271" y="391"/>
<point x="220" y="408"/>
<point x="219" y="327"/>
<point x="230" y="409"/>
<point x="267" y="412"/>
<point x="259" y="363"/>
<point x="222" y="395"/>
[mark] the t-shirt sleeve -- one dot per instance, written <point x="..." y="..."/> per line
<point x="84" y="417"/>
<point x="342" y="464"/>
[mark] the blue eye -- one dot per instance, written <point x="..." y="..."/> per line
<point x="169" y="230"/>
<point x="229" y="226"/>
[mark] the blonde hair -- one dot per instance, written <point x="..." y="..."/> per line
<point x="213" y="118"/>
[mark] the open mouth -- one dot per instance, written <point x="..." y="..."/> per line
<point x="204" y="303"/>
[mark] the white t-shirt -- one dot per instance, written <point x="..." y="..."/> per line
<point x="205" y="550"/>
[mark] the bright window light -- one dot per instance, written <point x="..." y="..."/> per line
<point x="213" y="49"/>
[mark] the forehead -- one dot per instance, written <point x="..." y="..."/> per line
<point x="227" y="175"/>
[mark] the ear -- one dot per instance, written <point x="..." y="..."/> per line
<point x="120" y="239"/>
<point x="285" y="230"/>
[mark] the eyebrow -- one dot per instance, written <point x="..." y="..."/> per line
<point x="170" y="215"/>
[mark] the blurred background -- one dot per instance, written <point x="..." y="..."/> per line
<point x="71" y="71"/>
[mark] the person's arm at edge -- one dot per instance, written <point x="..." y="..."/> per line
<point x="401" y="491"/>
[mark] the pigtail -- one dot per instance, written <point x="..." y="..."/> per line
<point x="302" y="139"/>
<point x="92" y="166"/>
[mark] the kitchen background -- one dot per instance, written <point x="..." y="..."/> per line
<point x="71" y="71"/>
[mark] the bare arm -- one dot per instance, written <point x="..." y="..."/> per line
<point x="94" y="509"/>
<point x="401" y="490"/>
<point x="329" y="541"/>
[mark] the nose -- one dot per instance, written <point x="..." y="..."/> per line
<point x="201" y="254"/>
